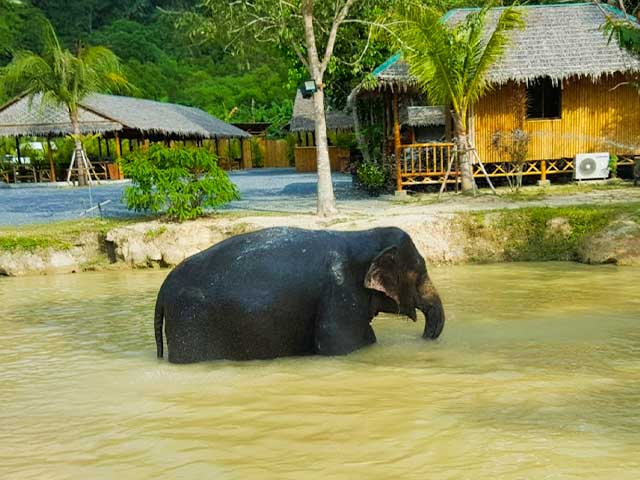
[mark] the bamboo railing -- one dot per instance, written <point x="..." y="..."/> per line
<point x="423" y="163"/>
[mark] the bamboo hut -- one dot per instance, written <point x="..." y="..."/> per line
<point x="560" y="80"/>
<point x="116" y="118"/>
<point x="303" y="125"/>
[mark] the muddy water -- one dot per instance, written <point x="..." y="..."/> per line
<point x="537" y="375"/>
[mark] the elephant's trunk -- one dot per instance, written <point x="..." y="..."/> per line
<point x="431" y="305"/>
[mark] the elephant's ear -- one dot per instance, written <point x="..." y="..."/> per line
<point x="384" y="274"/>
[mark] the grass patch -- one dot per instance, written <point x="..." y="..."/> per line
<point x="151" y="235"/>
<point x="59" y="235"/>
<point x="531" y="193"/>
<point x="538" y="233"/>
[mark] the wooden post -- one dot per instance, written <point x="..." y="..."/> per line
<point x="396" y="141"/>
<point x="106" y="141"/>
<point x="118" y="146"/>
<point x="118" y="154"/>
<point x="242" y="165"/>
<point x="18" y="149"/>
<point x="50" y="155"/>
<point x="100" y="147"/>
<point x="145" y="145"/>
<point x="543" y="170"/>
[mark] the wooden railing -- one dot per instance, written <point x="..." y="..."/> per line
<point x="423" y="163"/>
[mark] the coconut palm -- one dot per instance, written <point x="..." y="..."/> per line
<point x="450" y="61"/>
<point x="65" y="78"/>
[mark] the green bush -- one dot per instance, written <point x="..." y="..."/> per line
<point x="371" y="177"/>
<point x="613" y="165"/>
<point x="181" y="182"/>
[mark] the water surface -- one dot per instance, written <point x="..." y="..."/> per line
<point x="536" y="375"/>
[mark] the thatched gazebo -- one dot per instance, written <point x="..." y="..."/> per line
<point x="116" y="118"/>
<point x="560" y="80"/>
<point x="303" y="124"/>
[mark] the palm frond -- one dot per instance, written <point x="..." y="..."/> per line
<point x="626" y="33"/>
<point x="450" y="62"/>
<point x="492" y="50"/>
<point x="59" y="74"/>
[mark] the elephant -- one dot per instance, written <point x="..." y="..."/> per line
<point x="287" y="292"/>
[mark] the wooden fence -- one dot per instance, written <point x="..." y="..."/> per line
<point x="306" y="159"/>
<point x="274" y="153"/>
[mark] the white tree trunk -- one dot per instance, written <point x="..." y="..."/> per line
<point x="326" y="197"/>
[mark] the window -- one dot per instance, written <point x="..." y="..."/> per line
<point x="544" y="99"/>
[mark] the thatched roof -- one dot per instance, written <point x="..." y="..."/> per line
<point x="106" y="113"/>
<point x="24" y="117"/>
<point x="169" y="119"/>
<point x="422" y="116"/>
<point x="302" y="119"/>
<point x="558" y="41"/>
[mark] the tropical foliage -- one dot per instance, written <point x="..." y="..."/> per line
<point x="180" y="182"/>
<point x="372" y="177"/>
<point x="626" y="31"/>
<point x="450" y="61"/>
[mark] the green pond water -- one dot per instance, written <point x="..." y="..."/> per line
<point x="536" y="375"/>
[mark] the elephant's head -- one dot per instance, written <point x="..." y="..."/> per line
<point x="400" y="273"/>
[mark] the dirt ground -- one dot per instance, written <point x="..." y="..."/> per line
<point x="393" y="210"/>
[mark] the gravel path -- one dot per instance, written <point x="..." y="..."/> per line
<point x="260" y="189"/>
<point x="276" y="190"/>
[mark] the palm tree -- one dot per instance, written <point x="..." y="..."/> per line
<point x="450" y="61"/>
<point x="624" y="29"/>
<point x="65" y="78"/>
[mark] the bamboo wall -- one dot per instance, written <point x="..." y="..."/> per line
<point x="595" y="118"/>
<point x="306" y="159"/>
<point x="274" y="153"/>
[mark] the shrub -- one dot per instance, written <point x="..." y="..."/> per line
<point x="181" y="182"/>
<point x="613" y="165"/>
<point x="514" y="146"/>
<point x="371" y="177"/>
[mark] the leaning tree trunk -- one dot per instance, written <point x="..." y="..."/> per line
<point x="361" y="141"/>
<point x="464" y="153"/>
<point x="82" y="171"/>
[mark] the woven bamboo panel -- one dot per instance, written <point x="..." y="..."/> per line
<point x="596" y="117"/>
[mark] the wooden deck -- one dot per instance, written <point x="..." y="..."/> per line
<point x="427" y="163"/>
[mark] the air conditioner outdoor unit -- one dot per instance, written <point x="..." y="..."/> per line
<point x="590" y="166"/>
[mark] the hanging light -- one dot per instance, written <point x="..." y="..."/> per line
<point x="308" y="88"/>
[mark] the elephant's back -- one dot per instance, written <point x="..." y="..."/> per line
<point x="261" y="260"/>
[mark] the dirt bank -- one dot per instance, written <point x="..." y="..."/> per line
<point x="584" y="233"/>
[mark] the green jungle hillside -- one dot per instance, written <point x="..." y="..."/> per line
<point x="164" y="61"/>
<point x="158" y="58"/>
